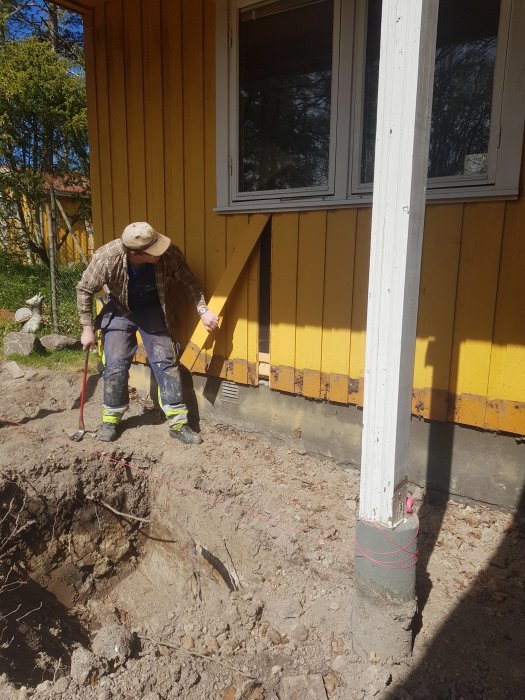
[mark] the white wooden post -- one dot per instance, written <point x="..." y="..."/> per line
<point x="406" y="69"/>
<point x="384" y="591"/>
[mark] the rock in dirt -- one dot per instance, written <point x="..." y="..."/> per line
<point x="113" y="642"/>
<point x="300" y="633"/>
<point x="84" y="666"/>
<point x="375" y="680"/>
<point x="274" y="636"/>
<point x="54" y="341"/>
<point x="61" y="685"/>
<point x="14" y="370"/>
<point x="293" y="609"/>
<point x="189" y="677"/>
<point x="188" y="643"/>
<point x="341" y="663"/>
<point x="303" y="688"/>
<point x="30" y="374"/>
<point x="16" y="343"/>
<point x="331" y="682"/>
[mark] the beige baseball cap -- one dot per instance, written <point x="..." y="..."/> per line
<point x="141" y="236"/>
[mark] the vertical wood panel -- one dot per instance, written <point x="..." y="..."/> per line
<point x="359" y="306"/>
<point x="93" y="131"/>
<point x="252" y="330"/>
<point x="172" y="58"/>
<point x="310" y="287"/>
<point x="237" y="310"/>
<point x="193" y="108"/>
<point x="173" y="119"/>
<point x="215" y="224"/>
<point x="153" y="113"/>
<point x="437" y="302"/>
<point x="285" y="235"/>
<point x="475" y="306"/>
<point x="106" y="176"/>
<point x="337" y="311"/>
<point x="507" y="362"/>
<point x="138" y="210"/>
<point x="117" y="115"/>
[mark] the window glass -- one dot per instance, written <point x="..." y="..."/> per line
<point x="463" y="88"/>
<point x="285" y="85"/>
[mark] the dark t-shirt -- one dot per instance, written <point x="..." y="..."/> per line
<point x="142" y="289"/>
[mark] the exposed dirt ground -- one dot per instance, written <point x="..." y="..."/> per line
<point x="240" y="587"/>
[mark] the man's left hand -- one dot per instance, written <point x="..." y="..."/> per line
<point x="210" y="321"/>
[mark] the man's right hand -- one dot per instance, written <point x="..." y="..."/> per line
<point x="88" y="338"/>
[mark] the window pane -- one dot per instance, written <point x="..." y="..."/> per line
<point x="285" y="81"/>
<point x="463" y="86"/>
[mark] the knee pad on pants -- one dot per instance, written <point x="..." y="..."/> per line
<point x="116" y="386"/>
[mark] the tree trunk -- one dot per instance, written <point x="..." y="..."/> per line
<point x="51" y="220"/>
<point x="52" y="25"/>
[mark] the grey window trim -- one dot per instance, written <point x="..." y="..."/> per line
<point x="345" y="190"/>
<point x="237" y="196"/>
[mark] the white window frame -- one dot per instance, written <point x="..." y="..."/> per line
<point x="344" y="187"/>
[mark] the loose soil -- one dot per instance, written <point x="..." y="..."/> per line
<point x="233" y="578"/>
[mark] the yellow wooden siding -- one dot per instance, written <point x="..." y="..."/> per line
<point x="475" y="305"/>
<point x="103" y="182"/>
<point x="283" y="301"/>
<point x="215" y="225"/>
<point x="252" y="329"/>
<point x="337" y="304"/>
<point x="134" y="117"/>
<point x="118" y="139"/>
<point x="506" y="390"/>
<point x="153" y="113"/>
<point x="245" y="248"/>
<point x="437" y="302"/>
<point x="359" y="306"/>
<point x="310" y="291"/>
<point x="236" y="312"/>
<point x="151" y="86"/>
<point x="193" y="130"/>
<point x="93" y="128"/>
<point x="68" y="252"/>
<point x="173" y="119"/>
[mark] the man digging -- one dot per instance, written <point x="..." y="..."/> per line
<point x="138" y="272"/>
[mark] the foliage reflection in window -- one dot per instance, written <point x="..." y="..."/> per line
<point x="463" y="88"/>
<point x="285" y="85"/>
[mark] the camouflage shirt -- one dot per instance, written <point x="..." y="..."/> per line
<point x="108" y="271"/>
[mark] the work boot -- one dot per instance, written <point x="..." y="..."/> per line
<point x="107" y="432"/>
<point x="185" y="434"/>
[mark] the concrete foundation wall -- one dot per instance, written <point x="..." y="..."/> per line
<point x="445" y="458"/>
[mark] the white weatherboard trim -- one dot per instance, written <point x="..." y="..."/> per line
<point x="406" y="67"/>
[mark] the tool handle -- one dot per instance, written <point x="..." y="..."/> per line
<point x="83" y="394"/>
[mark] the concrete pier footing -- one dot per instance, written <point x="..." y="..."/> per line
<point x="384" y="599"/>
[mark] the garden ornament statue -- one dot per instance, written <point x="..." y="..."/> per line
<point x="35" y="322"/>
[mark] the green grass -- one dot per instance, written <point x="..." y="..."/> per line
<point x="19" y="282"/>
<point x="59" y="359"/>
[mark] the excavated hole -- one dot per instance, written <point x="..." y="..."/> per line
<point x="60" y="549"/>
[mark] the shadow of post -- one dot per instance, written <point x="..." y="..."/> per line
<point x="478" y="653"/>
<point x="479" y="650"/>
